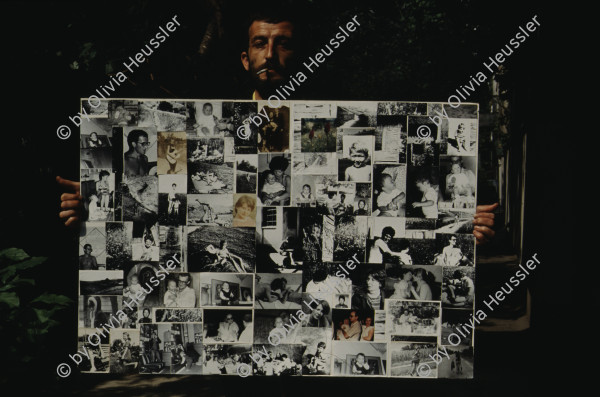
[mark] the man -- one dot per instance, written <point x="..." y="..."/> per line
<point x="452" y="255"/>
<point x="246" y="335"/>
<point x="87" y="261"/>
<point x="186" y="296"/>
<point x="136" y="161"/>
<point x="355" y="330"/>
<point x="273" y="46"/>
<point x="380" y="247"/>
<point x="228" y="329"/>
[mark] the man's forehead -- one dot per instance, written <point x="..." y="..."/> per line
<point x="267" y="29"/>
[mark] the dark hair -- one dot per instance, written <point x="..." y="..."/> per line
<point x="248" y="317"/>
<point x="404" y="244"/>
<point x="342" y="297"/>
<point x="321" y="344"/>
<point x="378" y="275"/>
<point x="144" y="311"/>
<point x="326" y="308"/>
<point x="104" y="173"/>
<point x="278" y="283"/>
<point x="382" y="178"/>
<point x="361" y="354"/>
<point x="271" y="12"/>
<point x="222" y="243"/>
<point x="279" y="163"/>
<point x="388" y="230"/>
<point x="134" y="135"/>
<point x="356" y="313"/>
<point x="364" y="202"/>
<point x="87" y="245"/>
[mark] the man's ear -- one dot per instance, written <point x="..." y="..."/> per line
<point x="245" y="60"/>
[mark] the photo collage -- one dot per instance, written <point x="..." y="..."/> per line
<point x="309" y="239"/>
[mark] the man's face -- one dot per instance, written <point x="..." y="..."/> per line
<point x="453" y="241"/>
<point x="229" y="318"/>
<point x="88" y="250"/>
<point x="182" y="282"/>
<point x="141" y="145"/>
<point x="353" y="317"/>
<point x="270" y="53"/>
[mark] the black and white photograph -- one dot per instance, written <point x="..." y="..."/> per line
<point x="359" y="359"/>
<point x="456" y="327"/>
<point x="413" y="282"/>
<point x="390" y="139"/>
<point x="368" y="287"/>
<point x="421" y="129"/>
<point x="459" y="364"/>
<point x="145" y="242"/>
<point x="246" y="173"/>
<point x="179" y="290"/>
<point x="210" y="178"/>
<point x="186" y="349"/>
<point x="95" y="157"/>
<point x="220" y="249"/>
<point x="156" y="341"/>
<point x="92" y="246"/>
<point x="274" y="133"/>
<point x="384" y="244"/>
<point x="422" y="192"/>
<point x="165" y="115"/>
<point x="123" y="113"/>
<point x="95" y="311"/>
<point x="140" y="283"/>
<point x="101" y="282"/>
<point x="356" y="114"/>
<point x="280" y="360"/>
<point x="178" y="316"/>
<point x="317" y="357"/>
<point x="279" y="244"/>
<point x="461" y="135"/>
<point x="413" y="360"/>
<point x="204" y="119"/>
<point x="124" y="351"/>
<point x="458" y="288"/>
<point x="278" y="291"/>
<point x="226" y="289"/>
<point x="171" y="247"/>
<point x="228" y="326"/>
<point x="304" y="191"/>
<point x="389" y="190"/>
<point x="236" y="117"/>
<point x="172" y="200"/>
<point x="206" y="150"/>
<point x="354" y="325"/>
<point x="314" y="163"/>
<point x="350" y="237"/>
<point x="455" y="249"/>
<point x="412" y="318"/>
<point x="362" y="199"/>
<point x="323" y="279"/>
<point x="274" y="179"/>
<point x="213" y="209"/>
<point x="356" y="163"/>
<point x="140" y="148"/>
<point x="457" y="183"/>
<point x="98" y="353"/>
<point x="277" y="327"/>
<point x="140" y="198"/>
<point x="97" y="189"/>
<point x="222" y="359"/>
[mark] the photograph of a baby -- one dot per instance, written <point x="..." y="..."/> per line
<point x="356" y="164"/>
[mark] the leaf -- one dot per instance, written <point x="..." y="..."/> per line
<point x="13" y="254"/>
<point x="10" y="298"/>
<point x="53" y="299"/>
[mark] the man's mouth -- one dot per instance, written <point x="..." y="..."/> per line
<point x="262" y="71"/>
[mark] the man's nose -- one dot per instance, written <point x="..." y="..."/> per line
<point x="270" y="50"/>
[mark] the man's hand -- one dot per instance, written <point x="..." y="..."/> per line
<point x="483" y="222"/>
<point x="71" y="202"/>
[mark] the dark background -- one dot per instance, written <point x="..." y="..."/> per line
<point x="404" y="50"/>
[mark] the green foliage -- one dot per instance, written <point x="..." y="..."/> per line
<point x="27" y="313"/>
